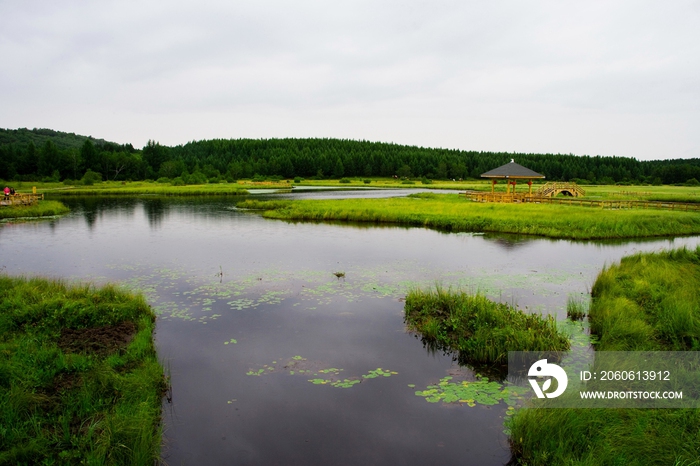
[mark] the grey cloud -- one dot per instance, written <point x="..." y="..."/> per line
<point x="396" y="59"/>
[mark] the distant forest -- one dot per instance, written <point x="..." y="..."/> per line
<point x="42" y="154"/>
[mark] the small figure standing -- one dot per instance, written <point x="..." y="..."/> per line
<point x="12" y="191"/>
<point x="6" y="191"/>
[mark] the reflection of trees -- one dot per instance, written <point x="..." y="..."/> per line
<point x="93" y="208"/>
<point x="434" y="348"/>
<point x="511" y="242"/>
<point x="155" y="210"/>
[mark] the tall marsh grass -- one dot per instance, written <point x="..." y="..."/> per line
<point x="481" y="330"/>
<point x="649" y="302"/>
<point x="575" y="308"/>
<point x="605" y="437"/>
<point x="77" y="403"/>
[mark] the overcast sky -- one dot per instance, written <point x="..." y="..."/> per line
<point x="583" y="77"/>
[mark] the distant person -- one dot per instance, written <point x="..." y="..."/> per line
<point x="12" y="191"/>
<point x="6" y="191"/>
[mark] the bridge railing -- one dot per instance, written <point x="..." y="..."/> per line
<point x="553" y="188"/>
<point x="20" y="199"/>
<point x="481" y="196"/>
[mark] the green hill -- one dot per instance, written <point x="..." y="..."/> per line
<point x="24" y="136"/>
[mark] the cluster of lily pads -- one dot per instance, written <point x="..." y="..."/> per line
<point x="480" y="391"/>
<point x="298" y="365"/>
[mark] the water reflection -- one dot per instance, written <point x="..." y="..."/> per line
<point x="156" y="210"/>
<point x="92" y="209"/>
<point x="509" y="242"/>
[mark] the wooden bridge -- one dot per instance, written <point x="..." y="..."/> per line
<point x="551" y="189"/>
<point x="20" y="199"/>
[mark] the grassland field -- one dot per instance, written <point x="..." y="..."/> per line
<point x="450" y="212"/>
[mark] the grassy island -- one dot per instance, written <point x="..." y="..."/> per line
<point x="451" y="212"/>
<point x="80" y="382"/>
<point x="40" y="209"/>
<point x="480" y="330"/>
<point x="648" y="302"/>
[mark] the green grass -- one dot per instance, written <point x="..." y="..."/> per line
<point x="606" y="437"/>
<point x="648" y="302"/>
<point x="575" y="308"/>
<point x="482" y="331"/>
<point x="40" y="209"/>
<point x="147" y="188"/>
<point x="67" y="395"/>
<point x="451" y="212"/>
<point x="378" y="182"/>
<point x="644" y="193"/>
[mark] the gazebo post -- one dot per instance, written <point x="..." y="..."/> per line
<point x="493" y="186"/>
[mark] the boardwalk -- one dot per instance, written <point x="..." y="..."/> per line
<point x="20" y="199"/>
<point x="480" y="196"/>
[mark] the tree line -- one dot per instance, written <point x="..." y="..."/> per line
<point x="51" y="155"/>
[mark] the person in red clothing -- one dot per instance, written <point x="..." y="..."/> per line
<point x="7" y="191"/>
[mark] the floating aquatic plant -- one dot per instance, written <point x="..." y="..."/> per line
<point x="378" y="372"/>
<point x="480" y="391"/>
<point x="298" y="365"/>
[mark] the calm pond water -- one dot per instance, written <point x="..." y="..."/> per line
<point x="265" y="344"/>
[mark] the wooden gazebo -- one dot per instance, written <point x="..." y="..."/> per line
<point x="511" y="173"/>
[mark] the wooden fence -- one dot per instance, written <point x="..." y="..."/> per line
<point x="605" y="204"/>
<point x="20" y="199"/>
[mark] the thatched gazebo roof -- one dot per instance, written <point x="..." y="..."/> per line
<point x="512" y="171"/>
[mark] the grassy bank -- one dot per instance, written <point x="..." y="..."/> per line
<point x="80" y="382"/>
<point x="40" y="209"/>
<point x="647" y="302"/>
<point x="147" y="188"/>
<point x="451" y="212"/>
<point x="480" y="330"/>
